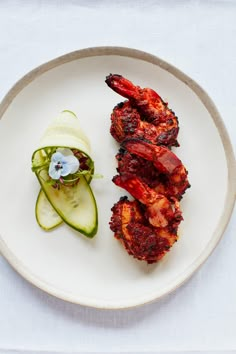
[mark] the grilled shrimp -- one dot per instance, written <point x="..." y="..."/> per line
<point x="127" y="122"/>
<point x="159" y="211"/>
<point x="170" y="177"/>
<point x="140" y="239"/>
<point x="149" y="104"/>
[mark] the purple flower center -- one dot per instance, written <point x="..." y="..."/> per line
<point x="58" y="166"/>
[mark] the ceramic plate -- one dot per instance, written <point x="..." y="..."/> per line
<point x="98" y="272"/>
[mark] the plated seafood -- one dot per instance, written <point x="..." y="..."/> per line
<point x="148" y="170"/>
<point x="138" y="236"/>
<point x="145" y="115"/>
<point x="171" y="179"/>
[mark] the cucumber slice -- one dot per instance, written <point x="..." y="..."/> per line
<point x="46" y="216"/>
<point x="75" y="205"/>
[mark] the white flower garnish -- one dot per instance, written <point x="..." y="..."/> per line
<point x="63" y="162"/>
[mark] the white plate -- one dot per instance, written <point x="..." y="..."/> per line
<point x="99" y="272"/>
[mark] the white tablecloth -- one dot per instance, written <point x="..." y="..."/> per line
<point x="199" y="38"/>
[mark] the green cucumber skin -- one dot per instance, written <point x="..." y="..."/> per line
<point x="90" y="234"/>
<point x="37" y="213"/>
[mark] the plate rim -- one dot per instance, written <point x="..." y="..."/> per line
<point x="218" y="122"/>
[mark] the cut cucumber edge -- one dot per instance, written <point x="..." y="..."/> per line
<point x="49" y="221"/>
